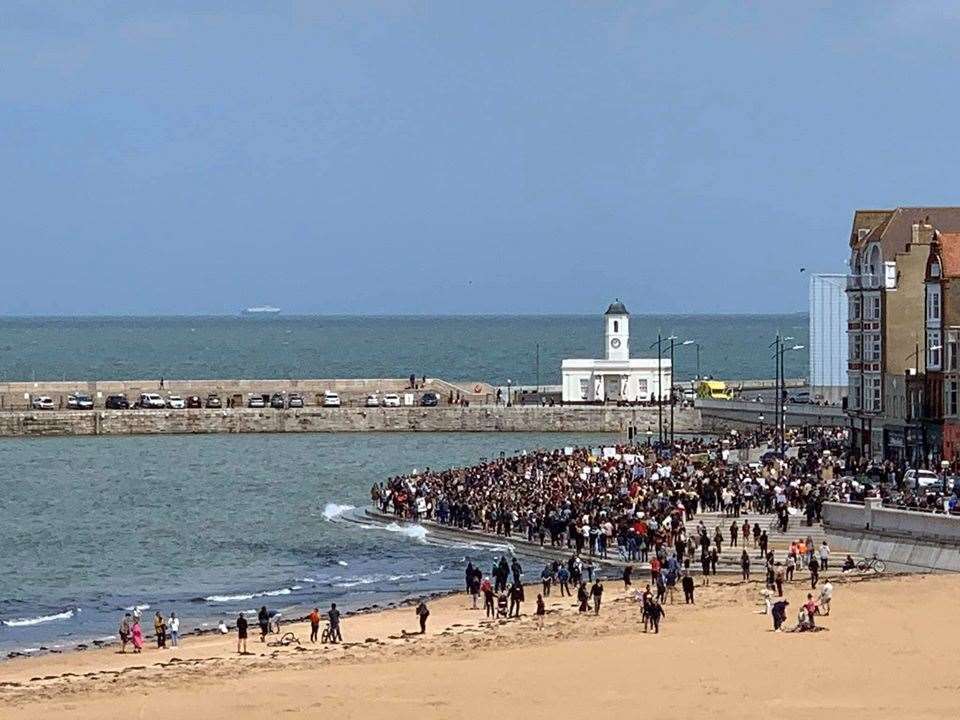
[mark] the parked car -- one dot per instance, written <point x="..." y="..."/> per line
<point x="429" y="399"/>
<point x="331" y="399"/>
<point x="277" y="401"/>
<point x="294" y="401"/>
<point x="116" y="402"/>
<point x="194" y="402"/>
<point x="255" y="401"/>
<point x="372" y="400"/>
<point x="175" y="402"/>
<point x="917" y="479"/>
<point x="802" y="397"/>
<point x="42" y="402"/>
<point x="150" y="401"/>
<point x="213" y="401"/>
<point x="391" y="400"/>
<point x="79" y="401"/>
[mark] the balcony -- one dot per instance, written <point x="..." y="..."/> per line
<point x="853" y="282"/>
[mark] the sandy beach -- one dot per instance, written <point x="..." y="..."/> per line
<point x="882" y="657"/>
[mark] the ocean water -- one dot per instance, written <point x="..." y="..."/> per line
<point x="213" y="525"/>
<point x="494" y="349"/>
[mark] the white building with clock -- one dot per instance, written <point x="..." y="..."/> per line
<point x="616" y="376"/>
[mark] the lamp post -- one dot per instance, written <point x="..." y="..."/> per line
<point x="673" y="339"/>
<point x="760" y="433"/>
<point x="649" y="436"/>
<point x="780" y="408"/>
<point x="509" y="394"/>
<point x="659" y="346"/>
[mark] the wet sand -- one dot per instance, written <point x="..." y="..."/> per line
<point x="886" y="654"/>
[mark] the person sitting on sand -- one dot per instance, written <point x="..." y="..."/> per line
<point x="241" y="634"/>
<point x="848" y="564"/>
<point x="423" y="612"/>
<point x="136" y="636"/>
<point x="124" y="632"/>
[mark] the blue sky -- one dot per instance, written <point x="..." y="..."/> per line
<point x="495" y="157"/>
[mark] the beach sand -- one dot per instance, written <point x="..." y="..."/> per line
<point x="887" y="653"/>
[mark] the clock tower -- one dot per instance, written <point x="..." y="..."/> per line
<point x="616" y="335"/>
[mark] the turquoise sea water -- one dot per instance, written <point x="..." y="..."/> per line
<point x="457" y="348"/>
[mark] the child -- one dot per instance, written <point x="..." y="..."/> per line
<point x="541" y="611"/>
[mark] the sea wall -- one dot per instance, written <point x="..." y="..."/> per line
<point x="905" y="540"/>
<point x="347" y="419"/>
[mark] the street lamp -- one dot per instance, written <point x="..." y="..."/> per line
<point x="673" y="339"/>
<point x="649" y="436"/>
<point x="509" y="396"/>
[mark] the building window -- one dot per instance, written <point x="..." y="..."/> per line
<point x="933" y="303"/>
<point x="872" y="399"/>
<point x="935" y="269"/>
<point x="853" y="396"/>
<point x="584" y="387"/>
<point x="872" y="309"/>
<point x="616" y="326"/>
<point x="952" y="397"/>
<point x="871" y="347"/>
<point x="855" y="347"/>
<point x="953" y="362"/>
<point x="855" y="303"/>
<point x="933" y="349"/>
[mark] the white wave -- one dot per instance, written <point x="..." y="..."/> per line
<point x="250" y="596"/>
<point x="342" y="563"/>
<point x="370" y="579"/>
<point x="335" y="510"/>
<point x="417" y="532"/>
<point x="137" y="607"/>
<point x="306" y="579"/>
<point x="26" y="622"/>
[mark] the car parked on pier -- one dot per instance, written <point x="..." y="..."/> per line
<point x="43" y="402"/>
<point x="116" y="402"/>
<point x="372" y="400"/>
<point x="277" y="402"/>
<point x="255" y="401"/>
<point x="295" y="401"/>
<point x="391" y="400"/>
<point x="213" y="401"/>
<point x="331" y="399"/>
<point x="150" y="401"/>
<point x="194" y="402"/>
<point x="79" y="401"/>
<point x="429" y="399"/>
<point x="175" y="402"/>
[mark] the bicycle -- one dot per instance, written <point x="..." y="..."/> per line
<point x="874" y="564"/>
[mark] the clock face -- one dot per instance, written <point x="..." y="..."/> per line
<point x="615" y="343"/>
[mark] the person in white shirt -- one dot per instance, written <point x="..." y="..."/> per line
<point x="173" y="625"/>
<point x="824" y="555"/>
<point x="826" y="595"/>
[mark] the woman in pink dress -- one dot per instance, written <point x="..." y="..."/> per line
<point x="136" y="635"/>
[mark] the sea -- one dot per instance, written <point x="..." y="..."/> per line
<point x="209" y="526"/>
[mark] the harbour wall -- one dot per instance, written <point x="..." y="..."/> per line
<point x="906" y="540"/>
<point x="741" y="415"/>
<point x="478" y="418"/>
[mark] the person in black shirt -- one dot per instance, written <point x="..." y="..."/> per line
<point x="334" y="616"/>
<point x="241" y="634"/>
<point x="263" y="617"/>
<point x="688" y="586"/>
<point x="582" y="596"/>
<point x="596" y="592"/>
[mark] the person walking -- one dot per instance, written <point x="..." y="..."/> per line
<point x="688" y="586"/>
<point x="656" y="612"/>
<point x="333" y="615"/>
<point x="423" y="612"/>
<point x="563" y="577"/>
<point x="263" y="619"/>
<point x="582" y="596"/>
<point x="160" y="628"/>
<point x="541" y="611"/>
<point x="596" y="592"/>
<point x="745" y="564"/>
<point x="136" y="636"/>
<point x="627" y="573"/>
<point x="314" y="624"/>
<point x="516" y="597"/>
<point x="174" y="628"/>
<point x="814" y="572"/>
<point x="488" y="596"/>
<point x="241" y="634"/>
<point x="124" y="632"/>
<point x="824" y="555"/>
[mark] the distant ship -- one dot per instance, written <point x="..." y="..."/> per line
<point x="261" y="310"/>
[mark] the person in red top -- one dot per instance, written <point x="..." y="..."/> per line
<point x="654" y="569"/>
<point x="810" y="606"/>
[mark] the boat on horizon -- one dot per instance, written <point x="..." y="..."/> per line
<point x="261" y="310"/>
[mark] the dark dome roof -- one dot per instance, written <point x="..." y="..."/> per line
<point x="617" y="308"/>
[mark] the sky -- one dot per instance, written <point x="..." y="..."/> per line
<point x="450" y="157"/>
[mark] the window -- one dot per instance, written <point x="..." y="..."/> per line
<point x="953" y="362"/>
<point x="616" y="326"/>
<point x="855" y="304"/>
<point x="933" y="349"/>
<point x="871" y="347"/>
<point x="584" y="386"/>
<point x="951" y="403"/>
<point x="872" y="391"/>
<point x="642" y="386"/>
<point x="853" y="396"/>
<point x="855" y="347"/>
<point x="871" y="310"/>
<point x="933" y="303"/>
<point x="935" y="269"/>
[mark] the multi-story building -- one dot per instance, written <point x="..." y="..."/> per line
<point x="896" y="324"/>
<point x="828" y="337"/>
